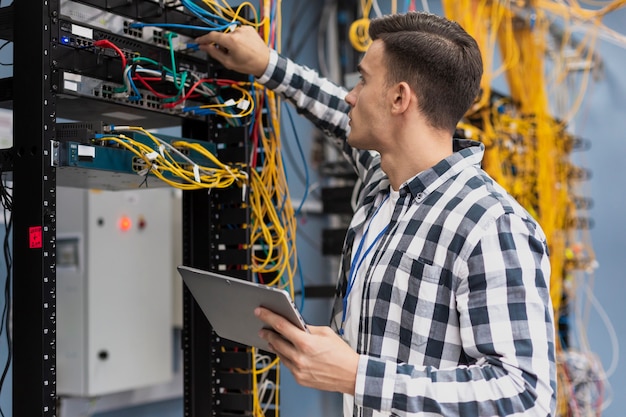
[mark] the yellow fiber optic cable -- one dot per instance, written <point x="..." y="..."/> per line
<point x="358" y="32"/>
<point x="526" y="145"/>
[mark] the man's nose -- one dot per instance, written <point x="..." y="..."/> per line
<point x="350" y="98"/>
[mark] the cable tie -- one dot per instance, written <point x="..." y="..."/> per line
<point x="244" y="185"/>
<point x="196" y="173"/>
<point x="162" y="150"/>
<point x="144" y="171"/>
<point x="243" y="104"/>
<point x="227" y="168"/>
<point x="230" y="102"/>
<point x="152" y="156"/>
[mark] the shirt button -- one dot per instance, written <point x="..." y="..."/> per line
<point x="419" y="196"/>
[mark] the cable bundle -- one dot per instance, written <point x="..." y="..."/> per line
<point x="273" y="228"/>
<point x="528" y="147"/>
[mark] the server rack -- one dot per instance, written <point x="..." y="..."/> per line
<point x="210" y="388"/>
<point x="213" y="239"/>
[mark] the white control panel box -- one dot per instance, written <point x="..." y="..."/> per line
<point x="114" y="290"/>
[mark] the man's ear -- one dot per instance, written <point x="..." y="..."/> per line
<point x="402" y="96"/>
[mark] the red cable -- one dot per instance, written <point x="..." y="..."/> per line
<point x="221" y="82"/>
<point x="144" y="81"/>
<point x="255" y="133"/>
<point x="105" y="43"/>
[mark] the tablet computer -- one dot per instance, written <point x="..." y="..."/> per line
<point x="228" y="303"/>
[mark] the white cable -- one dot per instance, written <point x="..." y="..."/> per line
<point x="610" y="329"/>
<point x="263" y="384"/>
<point x="376" y="7"/>
<point x="325" y="18"/>
<point x="581" y="325"/>
<point x="272" y="387"/>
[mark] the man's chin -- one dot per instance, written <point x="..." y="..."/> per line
<point x="359" y="143"/>
<point x="354" y="142"/>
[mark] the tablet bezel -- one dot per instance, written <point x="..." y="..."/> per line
<point x="228" y="303"/>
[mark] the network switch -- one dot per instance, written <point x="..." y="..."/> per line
<point x="106" y="103"/>
<point x="123" y="24"/>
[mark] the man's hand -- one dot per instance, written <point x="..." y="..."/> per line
<point x="319" y="359"/>
<point x="241" y="50"/>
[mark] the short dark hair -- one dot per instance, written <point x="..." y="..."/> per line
<point x="437" y="58"/>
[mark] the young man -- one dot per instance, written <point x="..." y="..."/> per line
<point x="443" y="303"/>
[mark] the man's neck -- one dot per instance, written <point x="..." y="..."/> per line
<point x="413" y="153"/>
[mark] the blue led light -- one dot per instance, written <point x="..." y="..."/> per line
<point x="65" y="39"/>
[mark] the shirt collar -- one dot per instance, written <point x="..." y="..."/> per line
<point x="466" y="153"/>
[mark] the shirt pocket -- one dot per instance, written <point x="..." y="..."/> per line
<point x="424" y="292"/>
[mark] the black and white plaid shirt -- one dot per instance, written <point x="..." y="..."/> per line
<point x="456" y="317"/>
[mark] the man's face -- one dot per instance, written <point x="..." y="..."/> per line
<point x="369" y="115"/>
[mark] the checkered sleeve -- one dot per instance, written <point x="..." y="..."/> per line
<point x="319" y="100"/>
<point x="507" y="333"/>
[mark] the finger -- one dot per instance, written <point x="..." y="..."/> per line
<point x="288" y="363"/>
<point x="318" y="330"/>
<point x="280" y="324"/>
<point x="277" y="343"/>
<point x="215" y="52"/>
<point x="212" y="37"/>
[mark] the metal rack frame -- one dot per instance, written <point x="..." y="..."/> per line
<point x="34" y="212"/>
<point x="34" y="233"/>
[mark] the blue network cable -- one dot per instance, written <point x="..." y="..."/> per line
<point x="304" y="163"/>
<point x="203" y="14"/>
